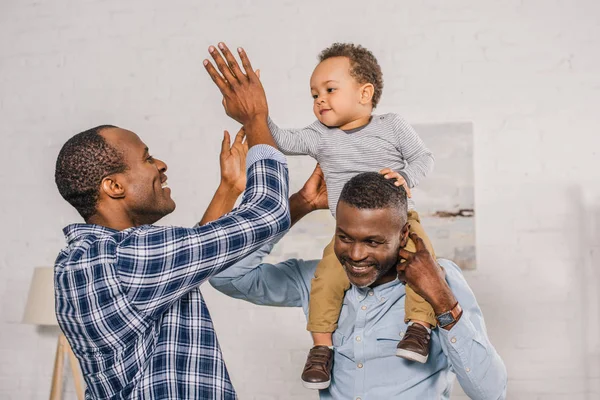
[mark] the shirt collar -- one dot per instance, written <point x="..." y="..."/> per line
<point x="75" y="231"/>
<point x="380" y="291"/>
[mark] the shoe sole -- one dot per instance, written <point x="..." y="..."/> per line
<point x="412" y="356"/>
<point x="316" y="385"/>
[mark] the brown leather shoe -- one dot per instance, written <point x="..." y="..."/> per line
<point x="414" y="345"/>
<point x="317" y="370"/>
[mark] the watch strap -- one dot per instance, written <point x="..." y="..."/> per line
<point x="449" y="317"/>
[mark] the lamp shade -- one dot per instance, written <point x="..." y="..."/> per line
<point x="40" y="302"/>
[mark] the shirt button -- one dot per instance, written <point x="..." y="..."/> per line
<point x="453" y="340"/>
<point x="401" y="333"/>
<point x="359" y="365"/>
<point x="358" y="398"/>
<point x="371" y="293"/>
<point x="363" y="308"/>
<point x="468" y="369"/>
<point x="358" y="338"/>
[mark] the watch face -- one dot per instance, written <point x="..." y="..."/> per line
<point x="445" y="319"/>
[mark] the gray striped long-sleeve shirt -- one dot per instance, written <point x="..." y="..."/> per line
<point x="387" y="141"/>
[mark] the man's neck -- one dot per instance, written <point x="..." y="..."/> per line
<point x="389" y="276"/>
<point x="116" y="223"/>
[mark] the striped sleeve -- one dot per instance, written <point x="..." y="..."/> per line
<point x="419" y="160"/>
<point x="296" y="142"/>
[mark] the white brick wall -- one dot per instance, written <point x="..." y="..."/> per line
<point x="527" y="73"/>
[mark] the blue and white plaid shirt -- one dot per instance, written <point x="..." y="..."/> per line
<point x="129" y="301"/>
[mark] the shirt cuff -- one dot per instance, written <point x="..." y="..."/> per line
<point x="406" y="178"/>
<point x="461" y="334"/>
<point x="262" y="152"/>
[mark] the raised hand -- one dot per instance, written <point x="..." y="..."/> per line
<point x="233" y="161"/>
<point x="243" y="95"/>
<point x="312" y="196"/>
<point x="314" y="191"/>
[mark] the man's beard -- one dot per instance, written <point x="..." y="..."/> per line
<point x="380" y="271"/>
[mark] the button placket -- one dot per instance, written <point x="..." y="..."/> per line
<point x="360" y="343"/>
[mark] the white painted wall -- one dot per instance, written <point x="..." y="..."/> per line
<point x="527" y="73"/>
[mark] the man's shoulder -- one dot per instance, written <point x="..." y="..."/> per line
<point x="455" y="278"/>
<point x="452" y="270"/>
<point x="90" y="240"/>
<point x="449" y="264"/>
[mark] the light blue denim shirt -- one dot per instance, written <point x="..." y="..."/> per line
<point x="371" y="324"/>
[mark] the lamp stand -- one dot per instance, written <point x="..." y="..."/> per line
<point x="62" y="346"/>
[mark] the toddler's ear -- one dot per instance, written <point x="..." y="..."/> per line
<point x="366" y="93"/>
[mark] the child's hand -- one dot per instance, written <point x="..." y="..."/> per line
<point x="400" y="181"/>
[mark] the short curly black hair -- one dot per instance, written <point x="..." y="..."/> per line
<point x="82" y="163"/>
<point x="371" y="191"/>
<point x="363" y="65"/>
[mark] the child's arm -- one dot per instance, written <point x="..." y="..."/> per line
<point x="296" y="142"/>
<point x="419" y="159"/>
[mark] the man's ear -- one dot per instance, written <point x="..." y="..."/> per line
<point x="404" y="234"/>
<point x="112" y="187"/>
<point x="366" y="93"/>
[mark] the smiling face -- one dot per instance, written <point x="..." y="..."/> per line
<point x="143" y="192"/>
<point x="367" y="242"/>
<point x="339" y="99"/>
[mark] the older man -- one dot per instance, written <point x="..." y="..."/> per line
<point x="127" y="295"/>
<point x="371" y="232"/>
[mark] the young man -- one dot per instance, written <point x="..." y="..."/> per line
<point x="371" y="232"/>
<point x="127" y="295"/>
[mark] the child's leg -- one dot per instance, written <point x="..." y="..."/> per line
<point x="415" y="343"/>
<point x="326" y="295"/>
<point x="416" y="308"/>
<point x="325" y="303"/>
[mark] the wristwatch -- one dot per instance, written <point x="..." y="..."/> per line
<point x="449" y="317"/>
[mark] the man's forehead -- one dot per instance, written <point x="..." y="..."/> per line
<point x="123" y="140"/>
<point x="365" y="219"/>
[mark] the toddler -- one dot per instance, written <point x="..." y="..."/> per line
<point x="348" y="139"/>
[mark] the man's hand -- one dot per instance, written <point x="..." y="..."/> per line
<point x="312" y="196"/>
<point x="314" y="191"/>
<point x="425" y="276"/>
<point x="233" y="161"/>
<point x="243" y="95"/>
<point x="389" y="173"/>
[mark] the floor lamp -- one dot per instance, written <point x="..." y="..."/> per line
<point x="40" y="311"/>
